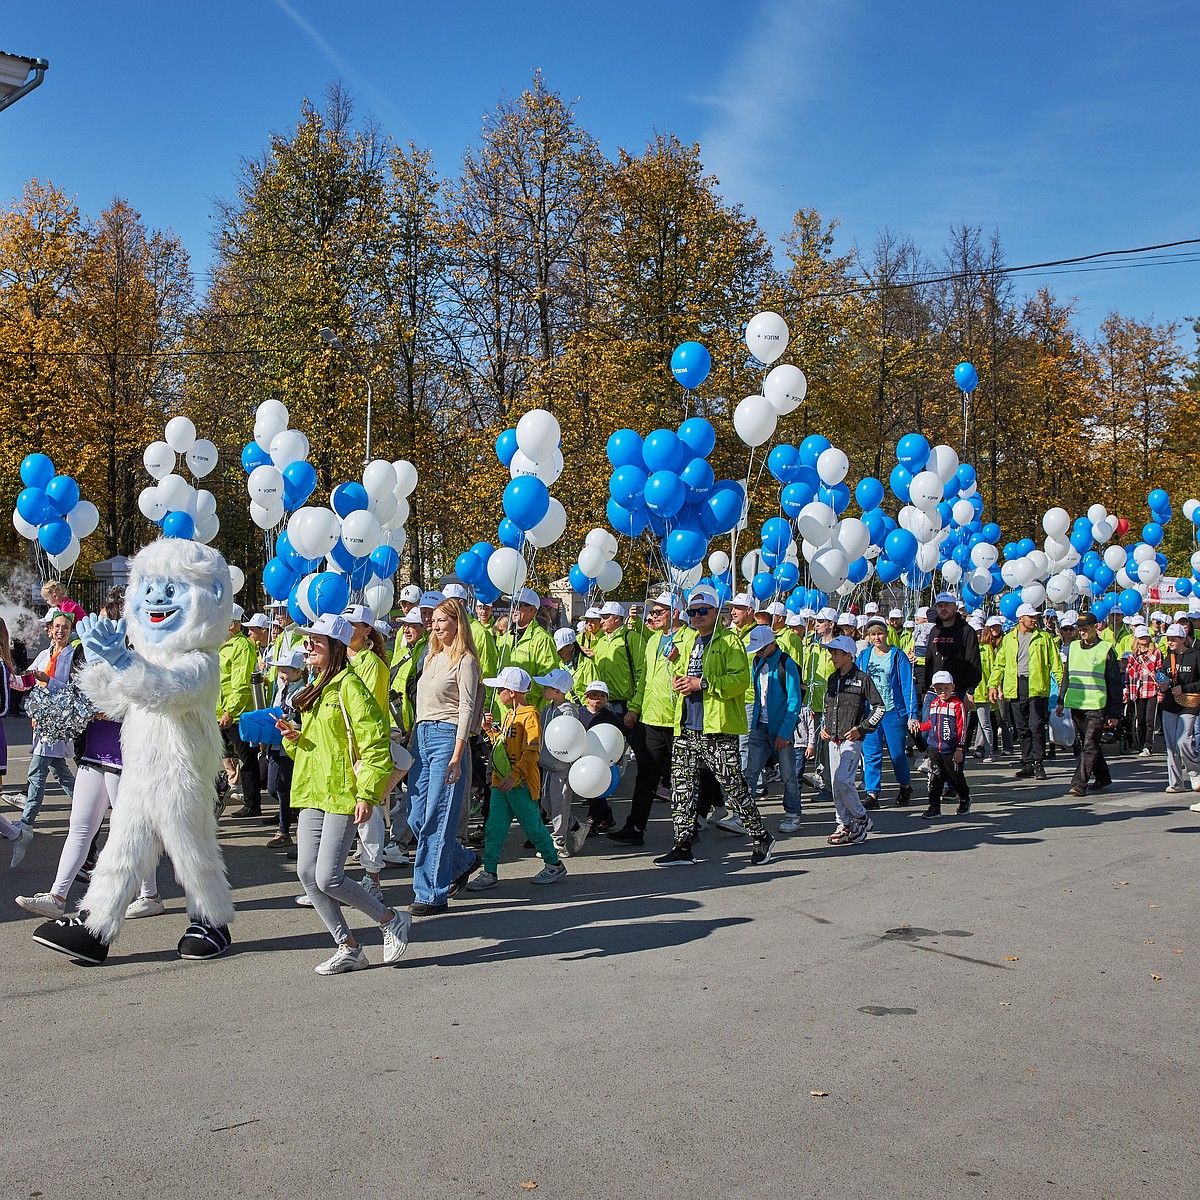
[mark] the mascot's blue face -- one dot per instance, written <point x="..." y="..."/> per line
<point x="179" y="598"/>
<point x="161" y="607"/>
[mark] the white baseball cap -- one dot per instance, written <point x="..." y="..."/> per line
<point x="413" y="617"/>
<point x="1134" y="619"/>
<point x="383" y="628"/>
<point x="596" y="685"/>
<point x="410" y="594"/>
<point x="762" y="636"/>
<point x="776" y="609"/>
<point x="808" y="613"/>
<point x="871" y="608"/>
<point x="794" y="619"/>
<point x="526" y="596"/>
<point x="592" y="614"/>
<point x="827" y="614"/>
<point x="1069" y="620"/>
<point x="288" y="658"/>
<point x="558" y="678"/>
<point x="975" y="621"/>
<point x="847" y="618"/>
<point x="258" y="621"/>
<point x="667" y="600"/>
<point x="1026" y="610"/>
<point x="510" y="677"/>
<point x="896" y="613"/>
<point x="942" y="677"/>
<point x="703" y="595"/>
<point x="431" y="599"/>
<point x="996" y="622"/>
<point x="1174" y="630"/>
<point x="333" y="626"/>
<point x="1141" y="632"/>
<point x="359" y="614"/>
<point x="742" y="600"/>
<point x="565" y="637"/>
<point x="945" y="598"/>
<point x="875" y="618"/>
<point x="454" y="591"/>
<point x="238" y="613"/>
<point x="610" y="608"/>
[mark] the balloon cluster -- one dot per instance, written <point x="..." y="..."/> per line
<point x="176" y="506"/>
<point x="593" y="754"/>
<point x="50" y="512"/>
<point x="279" y="476"/>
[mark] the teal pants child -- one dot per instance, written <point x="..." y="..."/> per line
<point x="501" y="810"/>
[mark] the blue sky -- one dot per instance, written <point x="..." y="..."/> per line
<point x="1070" y="127"/>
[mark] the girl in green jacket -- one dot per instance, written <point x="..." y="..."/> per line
<point x="342" y="761"/>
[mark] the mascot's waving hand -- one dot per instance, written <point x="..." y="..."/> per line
<point x="156" y="671"/>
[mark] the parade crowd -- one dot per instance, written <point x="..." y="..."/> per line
<point x="419" y="746"/>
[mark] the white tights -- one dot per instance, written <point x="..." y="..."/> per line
<point x="95" y="792"/>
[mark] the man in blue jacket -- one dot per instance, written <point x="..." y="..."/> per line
<point x="776" y="691"/>
<point x="892" y="675"/>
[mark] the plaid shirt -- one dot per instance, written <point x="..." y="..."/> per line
<point x="1139" y="675"/>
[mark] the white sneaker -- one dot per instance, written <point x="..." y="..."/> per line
<point x="396" y="855"/>
<point x="303" y="900"/>
<point x="482" y="881"/>
<point x="577" y="838"/>
<point x="344" y="959"/>
<point x="372" y="887"/>
<point x="43" y="904"/>
<point x="550" y="873"/>
<point x="1192" y="808"/>
<point x="731" y="824"/>
<point x="395" y="936"/>
<point x="791" y="824"/>
<point x="1194" y="780"/>
<point x="21" y="845"/>
<point x="1144" y="752"/>
<point x="145" y="906"/>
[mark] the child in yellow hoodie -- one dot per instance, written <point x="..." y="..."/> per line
<point x="516" y="781"/>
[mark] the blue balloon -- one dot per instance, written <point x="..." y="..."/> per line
<point x="178" y="525"/>
<point x="991" y="533"/>
<point x="629" y="522"/>
<point x="1009" y="603"/>
<point x="698" y="477"/>
<point x="526" y="501"/>
<point x="812" y="448"/>
<point x="294" y="610"/>
<point x="875" y="519"/>
<point x="1183" y="586"/>
<point x="1103" y="577"/>
<point x="684" y="549"/>
<point x="965" y="475"/>
<point x="795" y="602"/>
<point x="776" y="535"/>
<point x="690" y="364"/>
<point x="665" y="494"/>
<point x="690" y="516"/>
<point x="869" y="493"/>
<point x="794" y="497"/>
<point x="509" y="533"/>
<point x="361" y="575"/>
<point x="698" y="436"/>
<point x="912" y="453"/>
<point x="279" y="579"/>
<point x="506" y="446"/>
<point x="1080" y="540"/>
<point x="770" y="558"/>
<point x="579" y="581"/>
<point x="723" y="506"/>
<point x="783" y="462"/>
<point x="1158" y="499"/>
<point x="1152" y="533"/>
<point x="837" y="497"/>
<point x="613" y="782"/>
<point x="663" y="451"/>
<point x="627" y="486"/>
<point x="36" y="471"/>
<point x="624" y="449"/>
<point x="966" y="377"/>
<point x="763" y="585"/>
<point x="347" y="498"/>
<point x="34" y="506"/>
<point x="328" y="592"/>
<point x="299" y="480"/>
<point x="858" y="570"/>
<point x="483" y="551"/>
<point x="1133" y="570"/>
<point x="899" y="481"/>
<point x="1129" y="601"/>
<point x="54" y="536"/>
<point x="486" y="592"/>
<point x="385" y="562"/>
<point x="63" y="493"/>
<point x="945" y="513"/>
<point x="253" y="455"/>
<point x="346" y="561"/>
<point x="1025" y="546"/>
<point x="901" y="547"/>
<point x="468" y="568"/>
<point x="787" y="575"/>
<point x="887" y="570"/>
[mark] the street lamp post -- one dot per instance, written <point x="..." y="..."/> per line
<point x="15" y="78"/>
<point x="327" y="335"/>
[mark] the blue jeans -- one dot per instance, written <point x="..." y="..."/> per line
<point x="39" y="768"/>
<point x="434" y="809"/>
<point x="891" y="730"/>
<point x="760" y="745"/>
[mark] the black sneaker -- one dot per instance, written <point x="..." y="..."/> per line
<point x="1039" y="772"/>
<point x="203" y="940"/>
<point x="905" y="797"/>
<point x="628" y="836"/>
<point x="677" y="856"/>
<point x="71" y="937"/>
<point x="417" y="909"/>
<point x="932" y="813"/>
<point x="871" y="800"/>
<point x="761" y="854"/>
<point x="1023" y="772"/>
<point x="964" y="807"/>
<point x="460" y="881"/>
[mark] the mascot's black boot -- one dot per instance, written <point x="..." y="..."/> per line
<point x="203" y="940"/>
<point x="70" y="936"/>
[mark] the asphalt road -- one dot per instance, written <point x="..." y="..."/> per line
<point x="1003" y="1005"/>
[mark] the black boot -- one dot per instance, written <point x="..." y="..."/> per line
<point x="203" y="940"/>
<point x="70" y="936"/>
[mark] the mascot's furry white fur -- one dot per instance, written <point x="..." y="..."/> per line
<point x="163" y="687"/>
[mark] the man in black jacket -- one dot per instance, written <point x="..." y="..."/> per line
<point x="952" y="646"/>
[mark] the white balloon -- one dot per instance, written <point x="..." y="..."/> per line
<point x="1039" y="563"/>
<point x="237" y="578"/>
<point x="314" y="531"/>
<point x="600" y="538"/>
<point x="607" y="742"/>
<point x="943" y="462"/>
<point x="159" y="459"/>
<point x="565" y="738"/>
<point x="610" y="576"/>
<point x="1150" y="573"/>
<point x="1056" y="547"/>
<point x="380" y="596"/>
<point x="550" y="469"/>
<point x="718" y="562"/>
<point x="828" y="569"/>
<point x="28" y="531"/>
<point x="265" y="486"/>
<point x="927" y="556"/>
<point x="538" y="434"/>
<point x="590" y="776"/>
<point x="1095" y="514"/>
<point x="1033" y="593"/>
<point x="852" y="537"/>
<point x="952" y="572"/>
<point x="1142" y="552"/>
<point x="785" y="387"/>
<point x="751" y="564"/>
<point x="1114" y="558"/>
<point x="683" y="581"/>
<point x="924" y="526"/>
<point x="205" y="504"/>
<point x="302" y="590"/>
<point x="271" y="416"/>
<point x="1059" y="588"/>
<point x="1103" y="530"/>
<point x="963" y="512"/>
<point x="406" y="477"/>
<point x="1189" y="507"/>
<point x="174" y="490"/>
<point x="288" y="446"/>
<point x="1010" y="572"/>
<point x="267" y="517"/>
<point x="766" y="336"/>
<point x="591" y="559"/>
<point x="980" y="581"/>
<point x="379" y="478"/>
<point x="550" y="528"/>
<point x="925" y="490"/>
<point x="180" y="434"/>
<point x="1056" y="522"/>
<point x="832" y="465"/>
<point x="984" y="555"/>
<point x="521" y="464"/>
<point x="754" y="420"/>
<point x="816" y="522"/>
<point x="207" y="529"/>
<point x="361" y="533"/>
<point x="397" y="539"/>
<point x="385" y="507"/>
<point x="201" y="458"/>
<point x="83" y="519"/>
<point x="153" y="507"/>
<point x="970" y="490"/>
<point x="507" y="570"/>
<point x="68" y="557"/>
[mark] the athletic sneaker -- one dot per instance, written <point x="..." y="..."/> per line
<point x="372" y="887"/>
<point x="791" y="824"/>
<point x="304" y="901"/>
<point x="1191" y="808"/>
<point x="859" y="831"/>
<point x="483" y="881"/>
<point x="1144" y="752"/>
<point x="550" y="873"/>
<point x="677" y="856"/>
<point x="395" y="936"/>
<point x="628" y="836"/>
<point x="202" y="940"/>
<point x="43" y="904"/>
<point x="21" y="845"/>
<point x="344" y="959"/>
<point x="932" y="813"/>
<point x="395" y="855"/>
<point x="731" y="824"/>
<point x="145" y="906"/>
<point x="577" y="837"/>
<point x="761" y="854"/>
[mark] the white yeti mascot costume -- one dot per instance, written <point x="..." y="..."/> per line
<point x="163" y="687"/>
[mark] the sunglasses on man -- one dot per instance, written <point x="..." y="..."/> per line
<point x="701" y="611"/>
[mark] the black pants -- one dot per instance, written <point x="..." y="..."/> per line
<point x="246" y="754"/>
<point x="1031" y="714"/>
<point x="651" y="745"/>
<point x="1146" y="713"/>
<point x="1089" y="725"/>
<point x="279" y="784"/>
<point x="945" y="772"/>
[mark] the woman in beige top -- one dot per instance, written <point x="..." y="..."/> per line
<point x="448" y="713"/>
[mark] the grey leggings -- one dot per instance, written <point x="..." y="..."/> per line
<point x="322" y="843"/>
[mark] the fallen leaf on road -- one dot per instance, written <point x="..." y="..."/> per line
<point x="1066" y="889"/>
<point x="1122" y="883"/>
<point x="529" y="1185"/>
<point x="1178" y="951"/>
<point x="818" y="1093"/>
<point x="1155" y="976"/>
<point x="1011" y="958"/>
<point x="1154" y="906"/>
<point x="1148" y="942"/>
<point x="437" y="1058"/>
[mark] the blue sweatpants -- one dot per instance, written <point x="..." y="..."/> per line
<point x="891" y="729"/>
